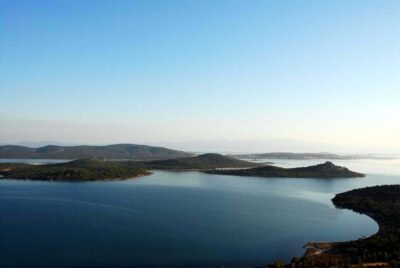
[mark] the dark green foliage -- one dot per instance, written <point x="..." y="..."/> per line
<point x="382" y="203"/>
<point x="116" y="151"/>
<point x="326" y="170"/>
<point x="201" y="162"/>
<point x="78" y="170"/>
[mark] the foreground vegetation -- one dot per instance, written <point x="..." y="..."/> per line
<point x="382" y="203"/>
<point x="326" y="170"/>
<point x="78" y="170"/>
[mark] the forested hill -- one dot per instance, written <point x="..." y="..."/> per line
<point x="201" y="162"/>
<point x="77" y="170"/>
<point x="325" y="170"/>
<point x="116" y="151"/>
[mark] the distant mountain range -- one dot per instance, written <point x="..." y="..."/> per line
<point x="116" y="151"/>
<point x="305" y="156"/>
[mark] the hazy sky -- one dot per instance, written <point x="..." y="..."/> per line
<point x="177" y="71"/>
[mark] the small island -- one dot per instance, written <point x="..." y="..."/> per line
<point x="78" y="170"/>
<point x="325" y="170"/>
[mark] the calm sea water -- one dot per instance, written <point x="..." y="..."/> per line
<point x="178" y="219"/>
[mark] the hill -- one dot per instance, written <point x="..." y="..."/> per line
<point x="201" y="162"/>
<point x="78" y="170"/>
<point x="116" y="151"/>
<point x="326" y="170"/>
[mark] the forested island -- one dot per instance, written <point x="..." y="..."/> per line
<point x="381" y="203"/>
<point x="78" y="170"/>
<point x="201" y="162"/>
<point x="325" y="170"/>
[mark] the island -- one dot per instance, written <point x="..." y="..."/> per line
<point x="78" y="170"/>
<point x="325" y="170"/>
<point x="201" y="162"/>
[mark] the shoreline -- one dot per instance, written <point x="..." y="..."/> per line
<point x="318" y="248"/>
<point x="382" y="205"/>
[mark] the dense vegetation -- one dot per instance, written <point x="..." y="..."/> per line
<point x="382" y="203"/>
<point x="78" y="170"/>
<point x="116" y="151"/>
<point x="201" y="162"/>
<point x="326" y="170"/>
<point x="305" y="156"/>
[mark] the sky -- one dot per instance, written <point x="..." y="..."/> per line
<point x="178" y="72"/>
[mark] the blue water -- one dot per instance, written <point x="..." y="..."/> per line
<point x="173" y="219"/>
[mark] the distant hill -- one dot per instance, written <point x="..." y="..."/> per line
<point x="326" y="170"/>
<point x="78" y="170"/>
<point x="116" y="151"/>
<point x="305" y="156"/>
<point x="201" y="162"/>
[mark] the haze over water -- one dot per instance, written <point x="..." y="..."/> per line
<point x="176" y="219"/>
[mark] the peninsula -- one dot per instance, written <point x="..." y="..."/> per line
<point x="325" y="170"/>
<point x="381" y="203"/>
